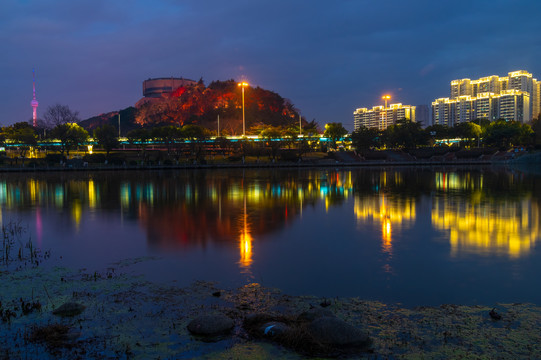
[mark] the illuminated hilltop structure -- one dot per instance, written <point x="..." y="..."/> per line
<point x="513" y="97"/>
<point x="158" y="88"/>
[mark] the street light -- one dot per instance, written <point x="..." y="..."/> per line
<point x="385" y="97"/>
<point x="243" y="85"/>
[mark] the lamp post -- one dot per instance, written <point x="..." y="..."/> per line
<point x="243" y="85"/>
<point x="385" y="98"/>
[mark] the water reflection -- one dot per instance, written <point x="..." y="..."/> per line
<point x="386" y="213"/>
<point x="486" y="222"/>
<point x="484" y="212"/>
<point x="245" y="245"/>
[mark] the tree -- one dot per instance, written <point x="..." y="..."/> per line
<point x="107" y="137"/>
<point x="365" y="138"/>
<point x="505" y="134"/>
<point x="536" y="127"/>
<point x="195" y="134"/>
<point x="167" y="135"/>
<point x="311" y="129"/>
<point x="467" y="131"/>
<point x="69" y="135"/>
<point x="58" y="115"/>
<point x="406" y="134"/>
<point x="22" y="134"/>
<point x="438" y="131"/>
<point x="334" y="132"/>
<point x="140" y="138"/>
<point x="272" y="136"/>
<point x="290" y="134"/>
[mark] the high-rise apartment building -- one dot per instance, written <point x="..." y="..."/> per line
<point x="513" y="97"/>
<point x="536" y="99"/>
<point x="380" y="117"/>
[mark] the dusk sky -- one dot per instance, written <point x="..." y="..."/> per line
<point x="327" y="57"/>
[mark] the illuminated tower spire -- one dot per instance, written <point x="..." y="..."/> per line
<point x="34" y="102"/>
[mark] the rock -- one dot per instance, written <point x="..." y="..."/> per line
<point x="494" y="315"/>
<point x="275" y="329"/>
<point x="337" y="333"/>
<point x="257" y="318"/>
<point x="69" y="309"/>
<point x="325" y="303"/>
<point x="315" y="313"/>
<point x="211" y="324"/>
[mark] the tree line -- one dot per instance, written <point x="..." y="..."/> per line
<point x="406" y="134"/>
<point x="60" y="130"/>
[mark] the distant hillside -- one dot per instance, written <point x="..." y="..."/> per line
<point x="127" y="120"/>
<point x="201" y="105"/>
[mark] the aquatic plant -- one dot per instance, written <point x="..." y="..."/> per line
<point x="12" y="239"/>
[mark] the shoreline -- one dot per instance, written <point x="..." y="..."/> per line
<point x="130" y="317"/>
<point x="340" y="160"/>
<point x="365" y="164"/>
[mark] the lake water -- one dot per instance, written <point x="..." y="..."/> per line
<point x="417" y="236"/>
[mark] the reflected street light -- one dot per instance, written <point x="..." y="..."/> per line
<point x="243" y="85"/>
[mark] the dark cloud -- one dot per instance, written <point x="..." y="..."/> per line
<point x="327" y="57"/>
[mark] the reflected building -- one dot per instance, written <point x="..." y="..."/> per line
<point x="238" y="208"/>
<point x="387" y="213"/>
<point x="481" y="225"/>
<point x="503" y="228"/>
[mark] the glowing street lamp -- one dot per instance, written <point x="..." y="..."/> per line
<point x="386" y="97"/>
<point x="384" y="118"/>
<point x="243" y="85"/>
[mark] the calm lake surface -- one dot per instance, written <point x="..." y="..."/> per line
<point x="410" y="235"/>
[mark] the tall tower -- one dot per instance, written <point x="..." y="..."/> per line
<point x="34" y="102"/>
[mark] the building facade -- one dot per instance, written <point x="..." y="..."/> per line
<point x="513" y="97"/>
<point x="155" y="88"/>
<point x="380" y="117"/>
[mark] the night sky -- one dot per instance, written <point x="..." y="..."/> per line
<point x="327" y="57"/>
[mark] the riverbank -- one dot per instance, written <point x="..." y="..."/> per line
<point x="387" y="158"/>
<point x="315" y="160"/>
<point x="126" y="316"/>
<point x="263" y="165"/>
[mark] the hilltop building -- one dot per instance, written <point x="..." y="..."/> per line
<point x="159" y="88"/>
<point x="381" y="117"/>
<point x="513" y="97"/>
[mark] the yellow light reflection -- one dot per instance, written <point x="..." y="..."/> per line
<point x="76" y="212"/>
<point x="33" y="185"/>
<point x="245" y="244"/>
<point x="386" y="236"/>
<point x="386" y="213"/>
<point x="490" y="228"/>
<point x="91" y="194"/>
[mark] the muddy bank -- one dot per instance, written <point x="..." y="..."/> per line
<point x="126" y="316"/>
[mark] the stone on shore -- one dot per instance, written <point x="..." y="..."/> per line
<point x="255" y="319"/>
<point x="334" y="332"/>
<point x="211" y="324"/>
<point x="275" y="329"/>
<point x="69" y="309"/>
<point x="315" y="313"/>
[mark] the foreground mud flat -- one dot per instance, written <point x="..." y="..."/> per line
<point x="127" y="317"/>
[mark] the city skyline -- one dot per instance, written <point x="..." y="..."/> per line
<point x="328" y="60"/>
